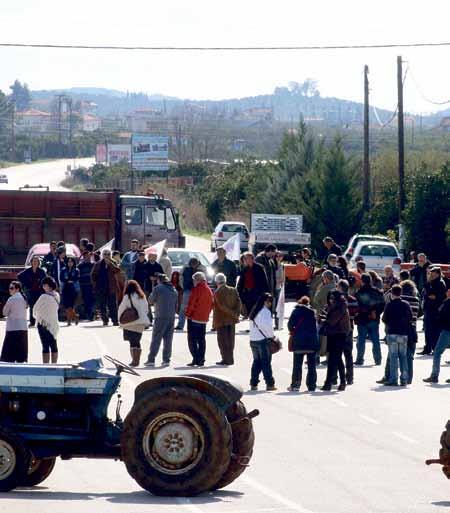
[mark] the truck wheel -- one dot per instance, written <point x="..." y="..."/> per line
<point x="14" y="460"/>
<point x="243" y="441"/>
<point x="445" y="448"/>
<point x="38" y="471"/>
<point x="176" y="441"/>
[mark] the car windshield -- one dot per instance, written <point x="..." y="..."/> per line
<point x="378" y="251"/>
<point x="362" y="238"/>
<point x="180" y="258"/>
<point x="234" y="228"/>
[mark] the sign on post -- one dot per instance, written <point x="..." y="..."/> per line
<point x="149" y="152"/>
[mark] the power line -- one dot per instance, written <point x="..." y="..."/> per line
<point x="224" y="48"/>
<point x="419" y="89"/>
<point x="383" y="125"/>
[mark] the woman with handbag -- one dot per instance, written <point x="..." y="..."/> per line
<point x="303" y="341"/>
<point x="261" y="335"/>
<point x="337" y="327"/>
<point x="133" y="318"/>
<point x="70" y="287"/>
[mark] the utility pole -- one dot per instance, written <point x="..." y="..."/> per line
<point x="13" y="130"/>
<point x="132" y="168"/>
<point x="401" y="155"/>
<point x="69" y="102"/>
<point x="366" y="163"/>
<point x="60" y="96"/>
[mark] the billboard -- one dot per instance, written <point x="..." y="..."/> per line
<point x="149" y="152"/>
<point x="118" y="153"/>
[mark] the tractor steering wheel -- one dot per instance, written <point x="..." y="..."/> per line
<point x="121" y="367"/>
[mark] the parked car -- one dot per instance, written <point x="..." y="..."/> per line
<point x="376" y="255"/>
<point x="180" y="257"/>
<point x="353" y="242"/>
<point x="3" y="179"/>
<point x="227" y="229"/>
<point x="42" y="249"/>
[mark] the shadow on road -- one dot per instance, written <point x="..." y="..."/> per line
<point x="137" y="497"/>
<point x="444" y="504"/>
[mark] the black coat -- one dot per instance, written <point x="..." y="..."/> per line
<point x="370" y="304"/>
<point x="259" y="276"/>
<point x="30" y="280"/>
<point x="398" y="317"/>
<point x="228" y="268"/>
<point x="419" y="275"/>
<point x="435" y="288"/>
<point x="270" y="269"/>
<point x="303" y="327"/>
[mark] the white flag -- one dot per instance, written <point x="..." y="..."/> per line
<point x="109" y="245"/>
<point x="280" y="309"/>
<point x="233" y="247"/>
<point x="156" y="248"/>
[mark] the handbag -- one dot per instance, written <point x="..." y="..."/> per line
<point x="275" y="344"/>
<point x="130" y="314"/>
<point x="291" y="335"/>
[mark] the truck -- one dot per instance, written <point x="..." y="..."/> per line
<point x="33" y="215"/>
<point x="285" y="231"/>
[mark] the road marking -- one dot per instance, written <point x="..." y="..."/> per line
<point x="186" y="503"/>
<point x="338" y="402"/>
<point x="295" y="506"/>
<point x="405" y="438"/>
<point x="368" y="419"/>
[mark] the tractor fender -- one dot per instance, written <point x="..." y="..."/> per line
<point x="222" y="391"/>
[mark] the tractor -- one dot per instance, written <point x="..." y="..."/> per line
<point x="184" y="435"/>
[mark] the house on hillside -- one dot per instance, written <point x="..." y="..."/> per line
<point x="145" y="120"/>
<point x="445" y="124"/>
<point x="33" y="122"/>
<point x="89" y="123"/>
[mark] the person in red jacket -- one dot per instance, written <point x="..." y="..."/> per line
<point x="197" y="312"/>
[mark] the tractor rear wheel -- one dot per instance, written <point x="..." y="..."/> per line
<point x="14" y="460"/>
<point x="176" y="441"/>
<point x="445" y="448"/>
<point x="243" y="441"/>
<point x="38" y="471"/>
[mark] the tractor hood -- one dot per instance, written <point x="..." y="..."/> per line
<point x="84" y="378"/>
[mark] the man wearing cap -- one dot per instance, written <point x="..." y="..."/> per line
<point x="197" y="312"/>
<point x="226" y="266"/>
<point x="129" y="259"/>
<point x="227" y="307"/>
<point x="164" y="297"/>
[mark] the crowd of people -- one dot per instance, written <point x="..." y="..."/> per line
<point x="139" y="290"/>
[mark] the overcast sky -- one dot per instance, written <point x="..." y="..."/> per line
<point x="199" y="75"/>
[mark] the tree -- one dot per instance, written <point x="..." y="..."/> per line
<point x="21" y="95"/>
<point x="428" y="212"/>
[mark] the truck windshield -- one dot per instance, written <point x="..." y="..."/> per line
<point x="160" y="217"/>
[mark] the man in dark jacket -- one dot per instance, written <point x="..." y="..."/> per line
<point x="225" y="266"/>
<point x="398" y="319"/>
<point x="443" y="342"/>
<point x="419" y="272"/>
<point x="434" y="294"/>
<point x="105" y="286"/>
<point x="266" y="259"/>
<point x="140" y="272"/>
<point x="370" y="306"/>
<point x="252" y="282"/>
<point x="87" y="292"/>
<point x="330" y="247"/>
<point x="352" y="304"/>
<point x="50" y="257"/>
<point x="58" y="265"/>
<point x="332" y="265"/>
<point x="31" y="280"/>
<point x="187" y="283"/>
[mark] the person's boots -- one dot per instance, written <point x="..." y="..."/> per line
<point x="135" y="356"/>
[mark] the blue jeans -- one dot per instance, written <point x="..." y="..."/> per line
<point x="397" y="345"/>
<point x="184" y="303"/>
<point x="262" y="362"/>
<point x="371" y="329"/>
<point x="442" y="344"/>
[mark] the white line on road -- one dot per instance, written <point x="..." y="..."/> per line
<point x="295" y="506"/>
<point x="405" y="438"/>
<point x="368" y="419"/>
<point x="338" y="402"/>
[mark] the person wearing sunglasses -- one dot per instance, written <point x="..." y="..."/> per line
<point x="15" y="344"/>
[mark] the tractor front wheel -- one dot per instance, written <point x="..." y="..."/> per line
<point x="38" y="471"/>
<point x="176" y="441"/>
<point x="14" y="460"/>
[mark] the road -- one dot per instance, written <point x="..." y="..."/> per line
<point x="358" y="451"/>
<point x="49" y="173"/>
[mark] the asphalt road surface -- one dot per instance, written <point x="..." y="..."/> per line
<point x="49" y="173"/>
<point x="358" y="451"/>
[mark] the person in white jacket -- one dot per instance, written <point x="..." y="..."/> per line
<point x="134" y="297"/>
<point x="261" y="331"/>
<point x="15" y="345"/>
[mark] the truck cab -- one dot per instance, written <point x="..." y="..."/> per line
<point x="150" y="219"/>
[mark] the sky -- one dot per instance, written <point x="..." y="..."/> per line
<point x="216" y="75"/>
